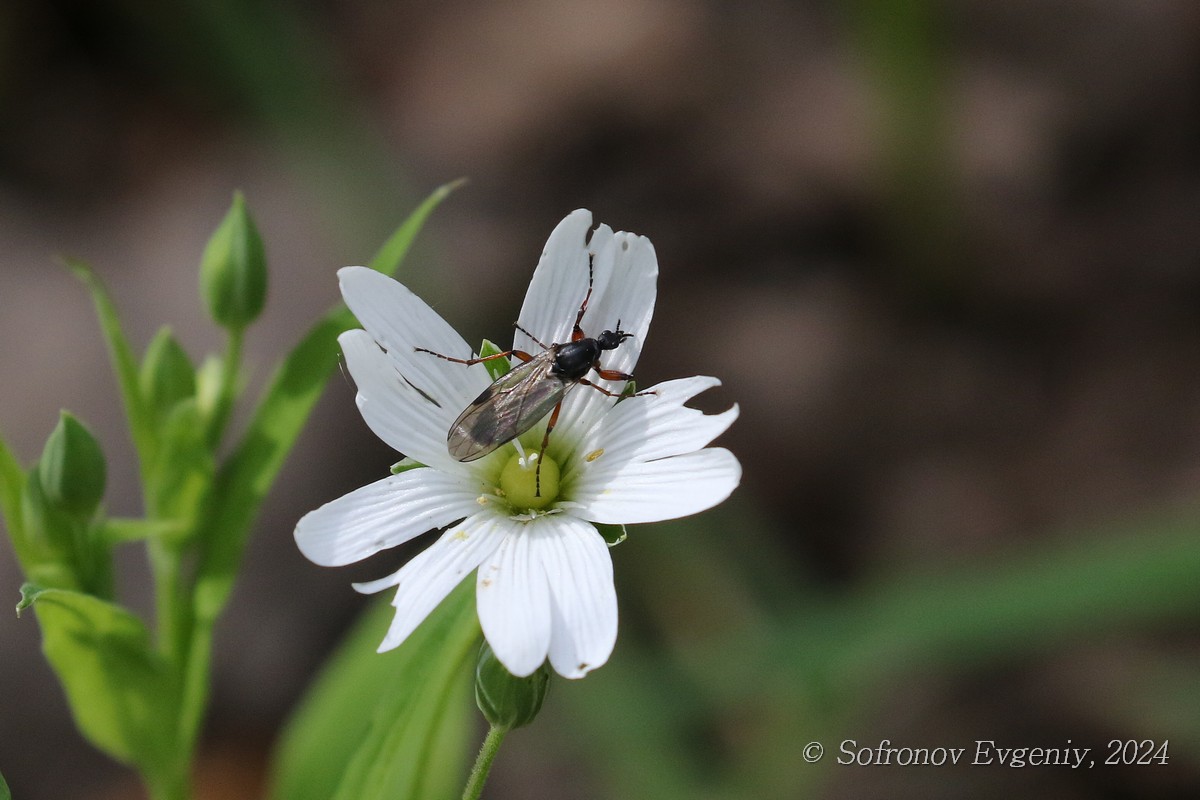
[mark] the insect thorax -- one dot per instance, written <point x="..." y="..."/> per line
<point x="573" y="359"/>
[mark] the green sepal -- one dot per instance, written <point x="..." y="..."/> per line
<point x="121" y="693"/>
<point x="613" y="534"/>
<point x="50" y="537"/>
<point x="233" y="270"/>
<point x="72" y="468"/>
<point x="497" y="366"/>
<point x="508" y="701"/>
<point x="391" y="725"/>
<point x="404" y="465"/>
<point x="167" y="376"/>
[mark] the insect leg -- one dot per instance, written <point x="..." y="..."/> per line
<point x="537" y="474"/>
<point x="613" y="375"/>
<point x="521" y="354"/>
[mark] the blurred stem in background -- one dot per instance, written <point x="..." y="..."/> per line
<point x="903" y="52"/>
<point x="267" y="62"/>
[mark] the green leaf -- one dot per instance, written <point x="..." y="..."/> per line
<point x="243" y="481"/>
<point x="5" y="794"/>
<point x="399" y="243"/>
<point x="141" y="423"/>
<point x="183" y="467"/>
<point x="121" y="693"/>
<point x="394" y="725"/>
<point x="12" y="485"/>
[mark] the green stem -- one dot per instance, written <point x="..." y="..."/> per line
<point x="169" y="787"/>
<point x="168" y="600"/>
<point x="229" y="377"/>
<point x="195" y="689"/>
<point x="483" y="764"/>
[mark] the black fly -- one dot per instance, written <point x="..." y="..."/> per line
<point x="517" y="400"/>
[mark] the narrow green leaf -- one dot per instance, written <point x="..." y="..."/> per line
<point x="12" y="484"/>
<point x="394" y="725"/>
<point x="141" y="424"/>
<point x="5" y="794"/>
<point x="121" y="693"/>
<point x="294" y="389"/>
<point x="399" y="243"/>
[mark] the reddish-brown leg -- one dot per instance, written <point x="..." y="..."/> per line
<point x="537" y="475"/>
<point x="521" y="354"/>
<point x="620" y="376"/>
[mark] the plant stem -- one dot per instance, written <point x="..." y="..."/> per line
<point x="229" y="388"/>
<point x="483" y="764"/>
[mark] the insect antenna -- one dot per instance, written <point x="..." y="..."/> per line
<point x="577" y="331"/>
<point x="536" y="340"/>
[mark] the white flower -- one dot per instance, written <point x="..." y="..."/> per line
<point x="544" y="586"/>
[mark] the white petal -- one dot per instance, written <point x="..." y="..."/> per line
<point x="395" y="411"/>
<point x="427" y="579"/>
<point x="656" y="490"/>
<point x="558" y="285"/>
<point x="382" y="515"/>
<point x="648" y="427"/>
<point x="627" y="296"/>
<point x="580" y="572"/>
<point x="401" y="322"/>
<point x="514" y="600"/>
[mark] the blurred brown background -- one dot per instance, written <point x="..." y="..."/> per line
<point x="944" y="256"/>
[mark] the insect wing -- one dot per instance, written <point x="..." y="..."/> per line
<point x="506" y="409"/>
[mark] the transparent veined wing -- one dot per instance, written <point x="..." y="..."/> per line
<point x="507" y="408"/>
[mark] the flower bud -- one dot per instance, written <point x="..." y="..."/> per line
<point x="167" y="375"/>
<point x="506" y="700"/>
<point x="72" y="470"/>
<point x="233" y="271"/>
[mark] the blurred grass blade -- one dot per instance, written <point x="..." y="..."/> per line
<point x="295" y="388"/>
<point x="119" y="690"/>
<point x="394" y="725"/>
<point x="125" y="365"/>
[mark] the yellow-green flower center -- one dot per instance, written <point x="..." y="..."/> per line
<point x="523" y="487"/>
